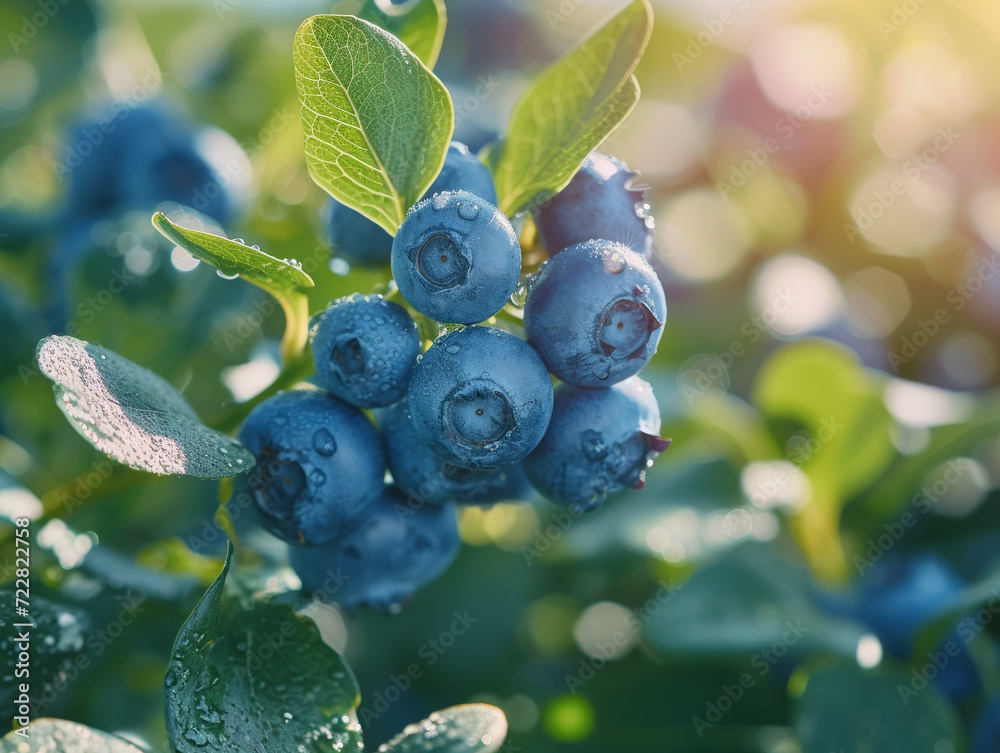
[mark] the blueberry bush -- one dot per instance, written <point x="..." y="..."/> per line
<point x="445" y="476"/>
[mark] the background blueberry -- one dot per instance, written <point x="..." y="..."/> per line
<point x="598" y="443"/>
<point x="456" y="258"/>
<point x="423" y="475"/>
<point x="355" y="237"/>
<point x="364" y="348"/>
<point x="598" y="203"/>
<point x="320" y="466"/>
<point x="594" y="313"/>
<point x="397" y="549"/>
<point x="463" y="171"/>
<point x="480" y="397"/>
<point x="895" y="599"/>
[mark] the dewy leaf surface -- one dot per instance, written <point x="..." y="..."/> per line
<point x="419" y="24"/>
<point x="133" y="415"/>
<point x="470" y="728"/>
<point x="570" y="109"/>
<point x="376" y="121"/>
<point x="60" y="736"/>
<point x="257" y="679"/>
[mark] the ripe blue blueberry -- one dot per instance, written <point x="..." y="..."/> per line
<point x="320" y="466"/>
<point x="140" y="158"/>
<point x="364" y="348"/>
<point x="396" y="550"/>
<point x="363" y="242"/>
<point x="463" y="171"/>
<point x="600" y="202"/>
<point x="480" y="398"/>
<point x="356" y="238"/>
<point x="594" y="313"/>
<point x="599" y="442"/>
<point x="456" y="258"/>
<point x="424" y="476"/>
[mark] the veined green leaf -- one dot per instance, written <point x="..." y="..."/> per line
<point x="419" y="24"/>
<point x="133" y="415"/>
<point x="283" y="279"/>
<point x="242" y="675"/>
<point x="376" y="121"/>
<point x="570" y="109"/>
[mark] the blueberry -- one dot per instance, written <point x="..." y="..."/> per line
<point x="896" y="598"/>
<point x="456" y="258"/>
<point x="363" y="242"/>
<point x="396" y="550"/>
<point x="463" y="171"/>
<point x="599" y="442"/>
<point x="364" y="348"/>
<point x="985" y="737"/>
<point x="320" y="466"/>
<point x="599" y="203"/>
<point x="480" y="398"/>
<point x="594" y="313"/>
<point x="356" y="238"/>
<point x="145" y="156"/>
<point x="424" y="476"/>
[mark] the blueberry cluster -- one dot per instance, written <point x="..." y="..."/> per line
<point x="474" y="419"/>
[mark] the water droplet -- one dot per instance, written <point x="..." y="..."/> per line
<point x="224" y="276"/>
<point x="324" y="443"/>
<point x="468" y="211"/>
<point x="103" y="357"/>
<point x="317" y="477"/>
<point x="454" y="349"/>
<point x="196" y="736"/>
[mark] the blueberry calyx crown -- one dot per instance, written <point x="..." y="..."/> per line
<point x="479" y="413"/>
<point x="441" y="262"/>
<point x="624" y="329"/>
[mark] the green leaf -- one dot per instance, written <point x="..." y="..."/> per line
<point x="133" y="415"/>
<point x="569" y="110"/>
<point x="419" y="24"/>
<point x="824" y="388"/>
<point x="282" y="279"/>
<point x="472" y="728"/>
<point x="57" y="639"/>
<point x="743" y="603"/>
<point x="59" y="736"/>
<point x="376" y="121"/>
<point x="844" y="708"/>
<point x="240" y="676"/>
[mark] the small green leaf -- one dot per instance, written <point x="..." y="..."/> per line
<point x="743" y="603"/>
<point x="846" y="709"/>
<point x="242" y="675"/>
<point x="284" y="280"/>
<point x="133" y="415"/>
<point x="570" y="109"/>
<point x="824" y="388"/>
<point x="419" y="24"/>
<point x="60" y="736"/>
<point x="376" y="121"/>
<point x="471" y="728"/>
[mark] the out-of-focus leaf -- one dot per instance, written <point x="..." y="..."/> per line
<point x="133" y="415"/>
<point x="742" y="605"/>
<point x="845" y="708"/>
<point x="240" y="676"/>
